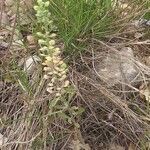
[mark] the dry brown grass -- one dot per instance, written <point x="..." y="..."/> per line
<point x="109" y="117"/>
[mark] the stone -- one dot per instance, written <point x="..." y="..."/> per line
<point x="4" y="19"/>
<point x="117" y="67"/>
<point x="31" y="63"/>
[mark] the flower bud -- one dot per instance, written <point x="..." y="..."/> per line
<point x="48" y="58"/>
<point x="58" y="94"/>
<point x="46" y="77"/>
<point x="51" y="47"/>
<point x="63" y="77"/>
<point x="47" y="4"/>
<point x="50" y="73"/>
<point x="39" y="2"/>
<point x="55" y="72"/>
<point x="43" y="48"/>
<point x="50" y="84"/>
<point x="42" y="42"/>
<point x="49" y="90"/>
<point x="51" y="42"/>
<point x="46" y="68"/>
<point x="58" y="89"/>
<point x="56" y="68"/>
<point x="48" y="63"/>
<point x="53" y="79"/>
<point x="63" y="72"/>
<point x="55" y="60"/>
<point x="60" y="62"/>
<point x="36" y="8"/>
<point x="53" y="35"/>
<point x="43" y="55"/>
<point x="39" y="34"/>
<point x="44" y="64"/>
<point x="66" y="84"/>
<point x="56" y="51"/>
<point x="64" y="66"/>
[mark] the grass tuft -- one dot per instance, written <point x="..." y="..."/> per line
<point x="78" y="20"/>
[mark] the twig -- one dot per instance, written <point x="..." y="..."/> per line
<point x="21" y="142"/>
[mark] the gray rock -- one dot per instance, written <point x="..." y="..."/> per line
<point x="31" y="63"/>
<point x="4" y="19"/>
<point x="117" y="66"/>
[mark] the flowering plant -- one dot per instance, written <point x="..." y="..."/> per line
<point x="55" y="68"/>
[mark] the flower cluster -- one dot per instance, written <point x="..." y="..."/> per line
<point x="54" y="67"/>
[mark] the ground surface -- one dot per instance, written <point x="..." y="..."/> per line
<point x="107" y="104"/>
